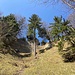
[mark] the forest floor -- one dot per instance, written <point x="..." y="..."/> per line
<point x="48" y="63"/>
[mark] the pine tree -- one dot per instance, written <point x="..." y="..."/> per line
<point x="34" y="24"/>
<point x="59" y="28"/>
<point x="9" y="29"/>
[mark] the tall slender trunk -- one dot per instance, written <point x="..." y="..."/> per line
<point x="34" y="42"/>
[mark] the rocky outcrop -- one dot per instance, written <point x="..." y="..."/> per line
<point x="47" y="46"/>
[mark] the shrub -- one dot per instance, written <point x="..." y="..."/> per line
<point x="69" y="54"/>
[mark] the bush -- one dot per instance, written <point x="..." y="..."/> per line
<point x="69" y="54"/>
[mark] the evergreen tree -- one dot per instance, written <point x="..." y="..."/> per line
<point x="9" y="28"/>
<point x="59" y="27"/>
<point x="34" y="24"/>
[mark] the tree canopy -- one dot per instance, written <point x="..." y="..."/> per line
<point x="59" y="28"/>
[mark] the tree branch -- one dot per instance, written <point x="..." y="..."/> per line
<point x="70" y="5"/>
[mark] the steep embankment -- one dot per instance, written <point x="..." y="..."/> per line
<point x="48" y="63"/>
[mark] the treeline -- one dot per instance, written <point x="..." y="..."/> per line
<point x="59" y="31"/>
<point x="11" y="27"/>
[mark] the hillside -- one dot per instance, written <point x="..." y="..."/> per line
<point x="48" y="63"/>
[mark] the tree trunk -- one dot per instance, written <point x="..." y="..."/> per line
<point x="34" y="42"/>
<point x="34" y="47"/>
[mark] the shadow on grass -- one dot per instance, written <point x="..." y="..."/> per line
<point x="18" y="48"/>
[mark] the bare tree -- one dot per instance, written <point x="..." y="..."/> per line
<point x="23" y="28"/>
<point x="70" y="3"/>
<point x="71" y="18"/>
<point x="1" y="14"/>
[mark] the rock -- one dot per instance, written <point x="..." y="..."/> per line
<point x="47" y="46"/>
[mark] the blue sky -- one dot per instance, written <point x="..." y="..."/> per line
<point x="28" y="7"/>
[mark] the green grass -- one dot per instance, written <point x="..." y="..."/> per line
<point x="48" y="63"/>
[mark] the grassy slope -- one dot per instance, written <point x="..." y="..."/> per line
<point x="48" y="63"/>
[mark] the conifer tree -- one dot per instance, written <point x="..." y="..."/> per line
<point x="34" y="24"/>
<point x="59" y="28"/>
